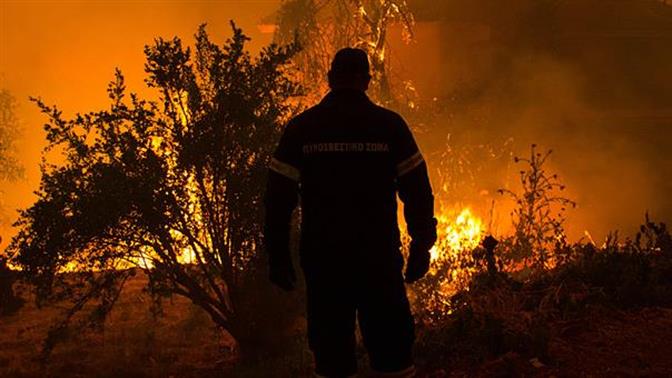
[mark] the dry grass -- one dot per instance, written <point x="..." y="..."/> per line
<point x="183" y="342"/>
<point x="604" y="315"/>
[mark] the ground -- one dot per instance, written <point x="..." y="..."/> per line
<point x="183" y="343"/>
<point x="603" y="344"/>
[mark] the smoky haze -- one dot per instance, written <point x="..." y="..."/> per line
<point x="590" y="79"/>
<point x="66" y="51"/>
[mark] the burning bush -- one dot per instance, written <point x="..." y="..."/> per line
<point x="452" y="264"/>
<point x="537" y="283"/>
<point x="538" y="241"/>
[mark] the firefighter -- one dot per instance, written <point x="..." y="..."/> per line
<point x="347" y="159"/>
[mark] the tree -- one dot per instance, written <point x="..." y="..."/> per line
<point x="325" y="26"/>
<point x="173" y="188"/>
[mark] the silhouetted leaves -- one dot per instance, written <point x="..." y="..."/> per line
<point x="539" y="213"/>
<point x="173" y="188"/>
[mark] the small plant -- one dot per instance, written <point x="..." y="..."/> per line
<point x="539" y="214"/>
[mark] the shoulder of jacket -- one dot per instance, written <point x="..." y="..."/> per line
<point x="305" y="116"/>
<point x="390" y="117"/>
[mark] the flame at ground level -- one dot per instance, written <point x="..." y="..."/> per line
<point x="456" y="234"/>
<point x="459" y="233"/>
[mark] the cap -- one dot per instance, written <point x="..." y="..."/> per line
<point x="350" y="61"/>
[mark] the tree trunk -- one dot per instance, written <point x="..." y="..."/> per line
<point x="266" y="318"/>
<point x="9" y="303"/>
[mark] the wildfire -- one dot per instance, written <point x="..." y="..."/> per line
<point x="456" y="234"/>
<point x="459" y="232"/>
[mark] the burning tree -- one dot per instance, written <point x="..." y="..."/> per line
<point x="324" y="26"/>
<point x="172" y="188"/>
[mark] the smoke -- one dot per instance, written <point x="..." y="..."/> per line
<point x="596" y="89"/>
<point x="612" y="170"/>
<point x="595" y="92"/>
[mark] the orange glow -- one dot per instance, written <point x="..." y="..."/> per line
<point x="456" y="235"/>
<point x="66" y="53"/>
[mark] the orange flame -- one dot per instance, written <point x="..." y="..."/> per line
<point x="456" y="235"/>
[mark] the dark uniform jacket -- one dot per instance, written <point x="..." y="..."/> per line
<point x="347" y="158"/>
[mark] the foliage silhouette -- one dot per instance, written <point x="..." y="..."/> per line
<point x="539" y="213"/>
<point x="172" y="188"/>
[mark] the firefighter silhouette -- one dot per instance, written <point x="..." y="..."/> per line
<point x="347" y="159"/>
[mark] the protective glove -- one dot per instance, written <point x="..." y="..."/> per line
<point x="418" y="255"/>
<point x="418" y="262"/>
<point x="282" y="274"/>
